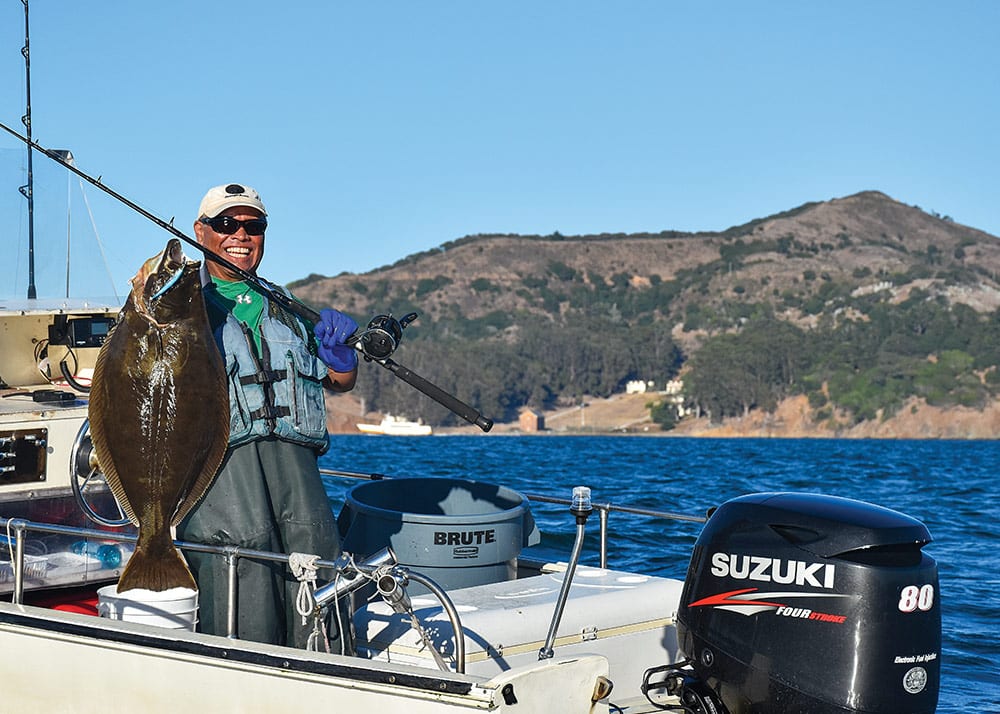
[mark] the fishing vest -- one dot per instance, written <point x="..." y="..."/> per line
<point x="276" y="390"/>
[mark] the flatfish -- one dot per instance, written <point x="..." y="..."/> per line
<point x="159" y="413"/>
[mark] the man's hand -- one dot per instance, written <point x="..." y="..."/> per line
<point x="331" y="332"/>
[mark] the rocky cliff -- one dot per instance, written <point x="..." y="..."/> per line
<point x="917" y="420"/>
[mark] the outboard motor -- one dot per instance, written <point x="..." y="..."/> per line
<point x="808" y="603"/>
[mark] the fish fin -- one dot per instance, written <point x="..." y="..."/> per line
<point x="98" y="430"/>
<point x="210" y="466"/>
<point x="197" y="491"/>
<point x="156" y="572"/>
<point x="115" y="484"/>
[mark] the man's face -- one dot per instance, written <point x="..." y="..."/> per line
<point x="240" y="248"/>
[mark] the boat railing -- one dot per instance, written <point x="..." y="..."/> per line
<point x="18" y="527"/>
<point x="604" y="510"/>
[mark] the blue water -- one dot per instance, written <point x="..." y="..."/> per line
<point x="950" y="485"/>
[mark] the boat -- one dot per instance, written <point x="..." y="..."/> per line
<point x="396" y="426"/>
<point x="453" y="607"/>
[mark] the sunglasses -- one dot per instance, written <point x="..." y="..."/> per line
<point x="227" y="225"/>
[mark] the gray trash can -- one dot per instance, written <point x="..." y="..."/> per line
<point x="457" y="532"/>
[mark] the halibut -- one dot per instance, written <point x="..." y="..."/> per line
<point x="159" y="413"/>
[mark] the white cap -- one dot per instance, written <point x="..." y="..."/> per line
<point x="219" y="198"/>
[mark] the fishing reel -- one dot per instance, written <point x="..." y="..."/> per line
<point x="383" y="335"/>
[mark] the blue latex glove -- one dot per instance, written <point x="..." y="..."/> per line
<point x="331" y="331"/>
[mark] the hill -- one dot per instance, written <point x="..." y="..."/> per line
<point x="507" y="321"/>
<point x="854" y="241"/>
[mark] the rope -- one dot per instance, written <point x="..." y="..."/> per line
<point x="303" y="567"/>
<point x="425" y="638"/>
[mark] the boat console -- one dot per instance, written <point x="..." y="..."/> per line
<point x="49" y="351"/>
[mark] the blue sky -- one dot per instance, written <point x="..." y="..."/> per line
<point x="376" y="130"/>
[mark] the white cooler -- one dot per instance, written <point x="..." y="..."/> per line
<point x="627" y="618"/>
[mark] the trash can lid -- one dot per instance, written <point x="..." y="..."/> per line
<point x="434" y="498"/>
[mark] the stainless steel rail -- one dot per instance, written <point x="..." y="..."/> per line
<point x="19" y="526"/>
<point x="232" y="554"/>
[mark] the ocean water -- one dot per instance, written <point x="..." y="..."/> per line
<point x="952" y="486"/>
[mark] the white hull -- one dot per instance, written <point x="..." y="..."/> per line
<point x="61" y="662"/>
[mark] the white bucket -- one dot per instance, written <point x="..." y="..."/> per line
<point x="176" y="608"/>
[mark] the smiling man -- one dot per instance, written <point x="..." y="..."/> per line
<point x="268" y="494"/>
<point x="231" y="223"/>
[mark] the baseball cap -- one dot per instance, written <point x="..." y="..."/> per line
<point x="219" y="198"/>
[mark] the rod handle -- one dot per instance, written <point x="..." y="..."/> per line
<point x="439" y="395"/>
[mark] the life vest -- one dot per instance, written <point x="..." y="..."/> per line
<point x="276" y="390"/>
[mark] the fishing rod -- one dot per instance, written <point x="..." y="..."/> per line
<point x="376" y="342"/>
<point x="272" y="291"/>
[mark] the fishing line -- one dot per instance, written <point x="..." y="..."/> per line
<point x="290" y="304"/>
<point x="97" y="236"/>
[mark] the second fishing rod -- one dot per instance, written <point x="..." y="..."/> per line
<point x="377" y="342"/>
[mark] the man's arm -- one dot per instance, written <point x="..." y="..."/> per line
<point x="340" y="381"/>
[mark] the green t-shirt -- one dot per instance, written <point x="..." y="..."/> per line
<point x="239" y="298"/>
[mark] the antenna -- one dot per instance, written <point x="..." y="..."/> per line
<point x="28" y="189"/>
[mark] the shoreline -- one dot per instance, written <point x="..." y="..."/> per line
<point x="628" y="415"/>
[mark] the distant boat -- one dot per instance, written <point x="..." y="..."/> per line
<point x="397" y="426"/>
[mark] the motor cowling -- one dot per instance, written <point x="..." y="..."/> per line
<point x="809" y="603"/>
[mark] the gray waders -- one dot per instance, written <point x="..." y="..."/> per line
<point x="268" y="495"/>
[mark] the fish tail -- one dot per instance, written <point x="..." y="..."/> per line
<point x="156" y="566"/>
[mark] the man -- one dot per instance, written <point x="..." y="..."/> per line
<point x="268" y="494"/>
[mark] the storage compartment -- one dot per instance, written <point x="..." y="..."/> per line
<point x="624" y="617"/>
<point x="58" y="559"/>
